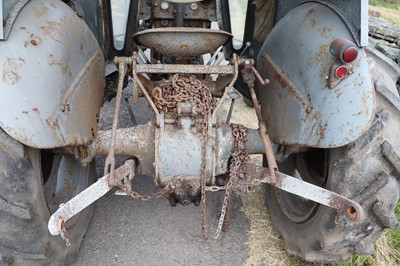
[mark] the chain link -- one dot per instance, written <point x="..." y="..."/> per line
<point x="136" y="195"/>
<point x="180" y="89"/>
<point x="239" y="157"/>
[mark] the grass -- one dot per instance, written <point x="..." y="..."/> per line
<point x="266" y="247"/>
<point x="388" y="11"/>
<point x="382" y="3"/>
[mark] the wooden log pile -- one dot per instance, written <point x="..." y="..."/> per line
<point x="387" y="36"/>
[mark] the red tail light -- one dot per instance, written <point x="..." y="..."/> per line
<point x="341" y="72"/>
<point x="344" y="50"/>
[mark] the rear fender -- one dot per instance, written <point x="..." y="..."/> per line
<point x="52" y="72"/>
<point x="297" y="105"/>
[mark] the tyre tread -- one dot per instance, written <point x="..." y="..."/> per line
<point x="17" y="211"/>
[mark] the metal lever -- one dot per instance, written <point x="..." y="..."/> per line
<point x="109" y="166"/>
<point x="249" y="74"/>
<point x="343" y="205"/>
<point x="69" y="209"/>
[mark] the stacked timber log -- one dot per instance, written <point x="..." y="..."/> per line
<point x="386" y="35"/>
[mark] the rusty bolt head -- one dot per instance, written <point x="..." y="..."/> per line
<point x="164" y="22"/>
<point x="164" y="5"/>
<point x="194" y="6"/>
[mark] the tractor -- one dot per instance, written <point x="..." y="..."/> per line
<point x="327" y="107"/>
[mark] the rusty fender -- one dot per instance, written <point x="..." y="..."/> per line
<point x="298" y="106"/>
<point x="52" y="77"/>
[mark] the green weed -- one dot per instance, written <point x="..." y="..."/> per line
<point x="384" y="3"/>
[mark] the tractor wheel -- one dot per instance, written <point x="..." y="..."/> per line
<point x="33" y="183"/>
<point x="366" y="171"/>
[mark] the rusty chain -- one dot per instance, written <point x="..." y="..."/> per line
<point x="181" y="89"/>
<point x="136" y="195"/>
<point x="239" y="156"/>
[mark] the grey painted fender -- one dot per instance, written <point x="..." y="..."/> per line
<point x="52" y="77"/>
<point x="297" y="105"/>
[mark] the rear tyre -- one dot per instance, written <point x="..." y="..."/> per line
<point x="32" y="185"/>
<point x="367" y="171"/>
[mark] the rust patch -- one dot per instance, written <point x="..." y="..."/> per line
<point x="40" y="10"/>
<point x="51" y="29"/>
<point x="33" y="40"/>
<point x="310" y="12"/>
<point x="322" y="53"/>
<point x="64" y="67"/>
<point x="10" y="70"/>
<point x="280" y="80"/>
<point x="338" y="94"/>
<point x="325" y="32"/>
<point x="313" y="22"/>
<point x="322" y="56"/>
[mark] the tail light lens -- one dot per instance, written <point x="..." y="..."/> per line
<point x="344" y="50"/>
<point x="341" y="72"/>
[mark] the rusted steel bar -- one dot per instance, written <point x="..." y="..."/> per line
<point x="343" y="205"/>
<point x="288" y="83"/>
<point x="109" y="165"/>
<point x="184" y="69"/>
<point x="85" y="198"/>
<point x="264" y="136"/>
<point x="77" y="81"/>
<point x="142" y="88"/>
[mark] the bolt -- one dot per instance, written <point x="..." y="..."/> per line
<point x="367" y="228"/>
<point x="194" y="6"/>
<point x="164" y="23"/>
<point x="164" y="5"/>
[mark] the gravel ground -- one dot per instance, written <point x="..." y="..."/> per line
<point x="124" y="231"/>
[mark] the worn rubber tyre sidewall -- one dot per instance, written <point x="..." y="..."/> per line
<point x="354" y="171"/>
<point x="307" y="239"/>
<point x="24" y="235"/>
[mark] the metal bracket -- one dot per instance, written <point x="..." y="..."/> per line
<point x="67" y="210"/>
<point x="343" y="205"/>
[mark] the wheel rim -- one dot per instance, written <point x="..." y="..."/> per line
<point x="312" y="167"/>
<point x="63" y="178"/>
